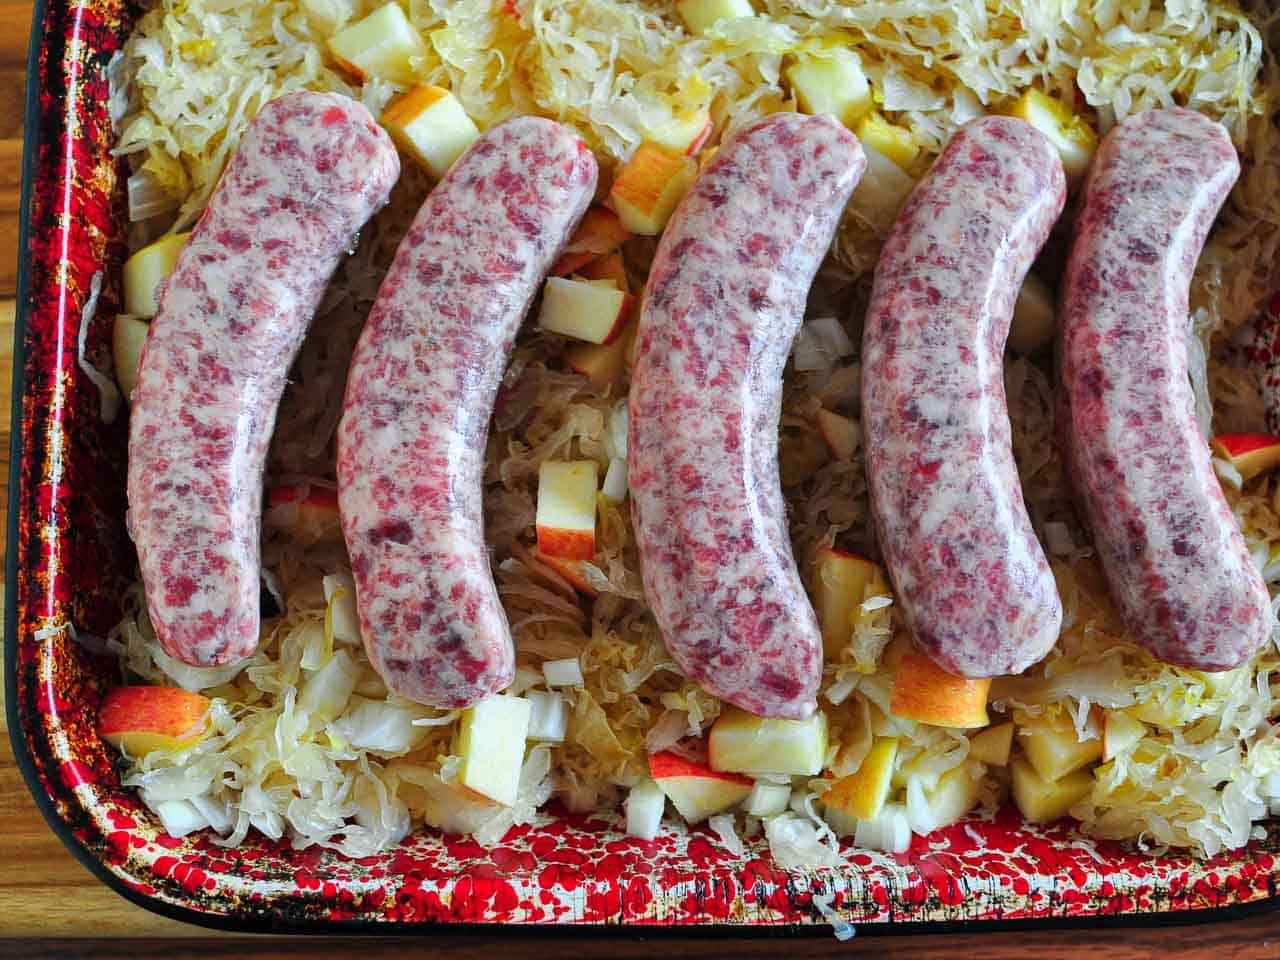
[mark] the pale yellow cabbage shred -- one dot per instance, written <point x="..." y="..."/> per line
<point x="610" y="68"/>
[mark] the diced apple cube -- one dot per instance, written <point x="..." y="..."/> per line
<point x="1074" y="139"/>
<point x="1250" y="453"/>
<point x="140" y="720"/>
<point x="839" y="589"/>
<point x="768" y="799"/>
<point x="384" y="44"/>
<point x="684" y="132"/>
<point x="696" y="791"/>
<point x="1034" y="318"/>
<point x="645" y="804"/>
<point x="566" y="514"/>
<point x="743" y="743"/>
<point x="563" y="673"/>
<point x="1120" y="733"/>
<point x="700" y="15"/>
<point x="593" y="311"/>
<point x="1043" y="801"/>
<point x="491" y="744"/>
<point x="548" y="716"/>
<point x="602" y="363"/>
<point x="992" y="745"/>
<point x="1052" y="747"/>
<point x="840" y="434"/>
<point x="863" y="793"/>
<point x="954" y="795"/>
<point x="832" y="82"/>
<point x="599" y="232"/>
<point x="128" y="335"/>
<point x="925" y="693"/>
<point x="609" y="267"/>
<point x="430" y="125"/>
<point x="147" y="269"/>
<point x="893" y="141"/>
<point x="650" y="185"/>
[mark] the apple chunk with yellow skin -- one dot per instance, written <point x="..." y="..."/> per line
<point x="599" y="232"/>
<point x="384" y="44"/>
<point x="1073" y="138"/>
<point x="1043" y="801"/>
<point x="696" y="791"/>
<point x="128" y="335"/>
<point x="992" y="745"/>
<point x="430" y="125"/>
<point x="840" y="585"/>
<point x="566" y="514"/>
<point x="840" y="434"/>
<point x="832" y="82"/>
<point x="147" y="269"/>
<point x="1120" y="733"/>
<point x="1250" y="453"/>
<point x="491" y="744"/>
<point x="140" y="720"/>
<point x="648" y="188"/>
<point x="1051" y="746"/>
<point x="925" y="693"/>
<point x="863" y="793"/>
<point x="743" y="743"/>
<point x="592" y="310"/>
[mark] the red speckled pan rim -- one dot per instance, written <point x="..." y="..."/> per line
<point x="271" y="918"/>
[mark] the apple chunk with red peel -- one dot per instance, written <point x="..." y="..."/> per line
<point x="602" y="363"/>
<point x="431" y="126"/>
<point x="314" y="514"/>
<point x="384" y="44"/>
<point x="592" y="310"/>
<point x="566" y="514"/>
<point x="609" y="267"/>
<point x="1250" y="453"/>
<point x="570" y="570"/>
<point x="696" y="791"/>
<point x="840" y="586"/>
<point x="925" y="693"/>
<point x="741" y="742"/>
<point x="140" y="720"/>
<point x="650" y="185"/>
<point x="600" y="232"/>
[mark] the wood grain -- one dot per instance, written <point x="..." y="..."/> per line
<point x="45" y="893"/>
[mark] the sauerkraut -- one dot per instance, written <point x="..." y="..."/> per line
<point x="306" y="742"/>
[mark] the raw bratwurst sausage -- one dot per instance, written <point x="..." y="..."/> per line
<point x="725" y="298"/>
<point x="972" y="579"/>
<point x="1174" y="557"/>
<point x="420" y="394"/>
<point x="310" y="170"/>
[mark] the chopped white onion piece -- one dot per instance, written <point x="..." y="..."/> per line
<point x="645" y="804"/>
<point x="768" y="799"/>
<point x="615" y="481"/>
<point x="563" y="673"/>
<point x="889" y="831"/>
<point x="549" y="717"/>
<point x="180" y="817"/>
<point x="723" y="827"/>
<point x="839" y="691"/>
<point x="340" y="595"/>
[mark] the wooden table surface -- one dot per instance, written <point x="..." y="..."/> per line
<point x="50" y="906"/>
